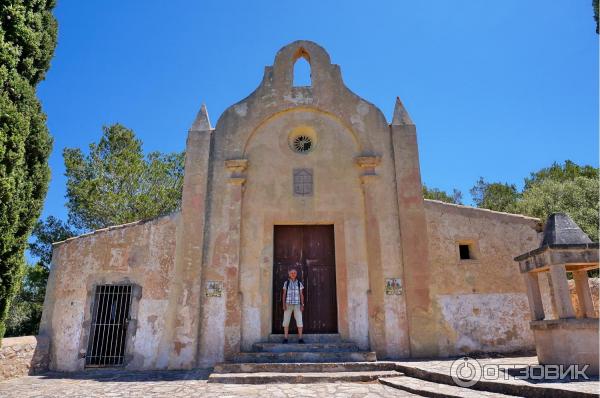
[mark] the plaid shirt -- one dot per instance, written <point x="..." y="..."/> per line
<point x="293" y="293"/>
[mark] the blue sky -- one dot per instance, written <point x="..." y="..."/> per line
<point x="496" y="88"/>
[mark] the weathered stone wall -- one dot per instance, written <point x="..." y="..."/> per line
<point x="21" y="356"/>
<point x="481" y="303"/>
<point x="140" y="253"/>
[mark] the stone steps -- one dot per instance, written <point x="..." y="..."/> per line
<point x="304" y="367"/>
<point x="310" y="377"/>
<point x="305" y="356"/>
<point x="323" y="358"/>
<point x="312" y="347"/>
<point x="309" y="338"/>
<point x="435" y="390"/>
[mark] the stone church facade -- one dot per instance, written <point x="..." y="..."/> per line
<point x="313" y="178"/>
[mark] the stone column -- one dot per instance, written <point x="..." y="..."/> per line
<point x="560" y="287"/>
<point x="545" y="282"/>
<point x="534" y="296"/>
<point x="233" y="206"/>
<point x="376" y="293"/>
<point x="582" y="287"/>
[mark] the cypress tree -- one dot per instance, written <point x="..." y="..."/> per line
<point x="27" y="40"/>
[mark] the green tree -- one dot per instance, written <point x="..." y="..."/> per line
<point x="26" y="307"/>
<point x="561" y="173"/>
<point x="46" y="233"/>
<point x="578" y="198"/>
<point x="494" y="196"/>
<point x="116" y="184"/>
<point x="437" y="194"/>
<point x="567" y="187"/>
<point x="27" y="41"/>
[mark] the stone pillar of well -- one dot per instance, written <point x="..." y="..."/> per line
<point x="560" y="290"/>
<point x="584" y="294"/>
<point x="566" y="340"/>
<point x="534" y="296"/>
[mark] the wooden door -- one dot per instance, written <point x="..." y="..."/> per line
<point x="310" y="249"/>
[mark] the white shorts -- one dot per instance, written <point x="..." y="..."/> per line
<point x="287" y="315"/>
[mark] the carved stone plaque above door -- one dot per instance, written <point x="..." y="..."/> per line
<point x="303" y="182"/>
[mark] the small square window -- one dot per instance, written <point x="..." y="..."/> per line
<point x="465" y="252"/>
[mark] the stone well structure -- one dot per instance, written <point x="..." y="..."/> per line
<point x="313" y="177"/>
<point x="564" y="339"/>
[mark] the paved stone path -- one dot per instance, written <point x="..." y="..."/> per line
<point x="508" y="366"/>
<point x="174" y="384"/>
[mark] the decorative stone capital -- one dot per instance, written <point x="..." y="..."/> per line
<point x="368" y="164"/>
<point x="236" y="168"/>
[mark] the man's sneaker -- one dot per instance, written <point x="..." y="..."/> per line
<point x="284" y="341"/>
<point x="301" y="341"/>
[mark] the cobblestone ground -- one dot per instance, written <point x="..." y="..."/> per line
<point x="174" y="384"/>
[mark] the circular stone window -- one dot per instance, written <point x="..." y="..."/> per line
<point x="302" y="143"/>
<point x="302" y="140"/>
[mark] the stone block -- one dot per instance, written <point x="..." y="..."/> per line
<point x="567" y="342"/>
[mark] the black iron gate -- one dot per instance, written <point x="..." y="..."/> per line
<point x="108" y="331"/>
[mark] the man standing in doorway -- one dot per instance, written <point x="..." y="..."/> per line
<point x="293" y="301"/>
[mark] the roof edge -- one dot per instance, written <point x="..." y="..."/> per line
<point x="115" y="227"/>
<point x="487" y="211"/>
<point x="580" y="246"/>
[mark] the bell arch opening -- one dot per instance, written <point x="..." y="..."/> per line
<point x="302" y="73"/>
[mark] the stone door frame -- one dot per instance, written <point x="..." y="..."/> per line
<point x="309" y="231"/>
<point x="136" y="295"/>
<point x="266" y="278"/>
